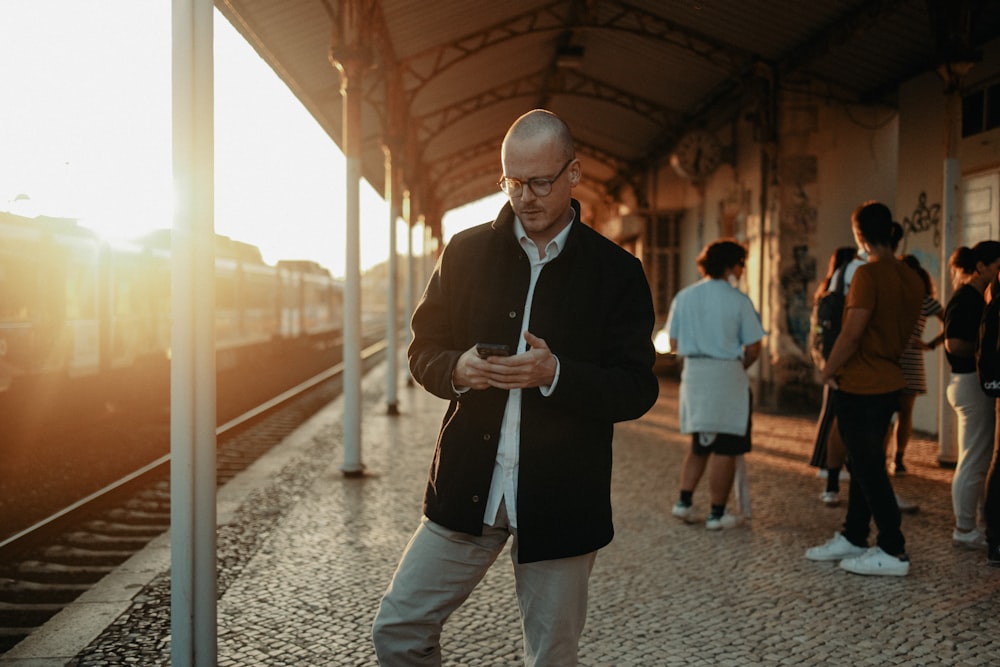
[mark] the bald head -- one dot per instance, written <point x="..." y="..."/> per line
<point x="540" y="125"/>
<point x="540" y="170"/>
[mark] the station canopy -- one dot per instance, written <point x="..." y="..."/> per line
<point x="629" y="77"/>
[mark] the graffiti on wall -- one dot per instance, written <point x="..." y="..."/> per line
<point x="924" y="218"/>
<point x="795" y="289"/>
<point x="799" y="217"/>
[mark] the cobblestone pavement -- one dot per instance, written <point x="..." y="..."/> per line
<point x="305" y="558"/>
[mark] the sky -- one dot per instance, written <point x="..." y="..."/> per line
<point x="85" y="133"/>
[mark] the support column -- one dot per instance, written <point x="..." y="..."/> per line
<point x="950" y="24"/>
<point x="351" y="64"/>
<point x="419" y="261"/>
<point x="392" y="307"/>
<point x="193" y="635"/>
<point x="950" y="197"/>
<point x="766" y="112"/>
<point x="395" y="133"/>
<point x="410" y="269"/>
<point x="427" y="248"/>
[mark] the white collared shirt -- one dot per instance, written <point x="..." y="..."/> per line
<point x="505" y="469"/>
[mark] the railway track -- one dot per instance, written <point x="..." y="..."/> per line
<point x="48" y="565"/>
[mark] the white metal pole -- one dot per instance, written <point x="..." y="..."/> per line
<point x="947" y="430"/>
<point x="392" y="316"/>
<point x="408" y="295"/>
<point x="351" y="91"/>
<point x="192" y="368"/>
<point x="952" y="179"/>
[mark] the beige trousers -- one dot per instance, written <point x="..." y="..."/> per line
<point x="439" y="570"/>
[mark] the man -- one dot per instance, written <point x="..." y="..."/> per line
<point x="525" y="445"/>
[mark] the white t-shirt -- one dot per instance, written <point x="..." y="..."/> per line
<point x="711" y="318"/>
<point x="852" y="266"/>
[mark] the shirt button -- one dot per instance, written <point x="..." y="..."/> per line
<point x="487" y="437"/>
<point x="512" y="314"/>
<point x="475" y="499"/>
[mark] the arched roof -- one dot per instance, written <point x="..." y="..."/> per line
<point x="630" y="77"/>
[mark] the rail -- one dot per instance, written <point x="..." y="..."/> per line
<point x="159" y="464"/>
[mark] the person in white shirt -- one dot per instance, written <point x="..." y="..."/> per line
<point x="716" y="330"/>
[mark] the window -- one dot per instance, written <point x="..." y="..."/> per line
<point x="981" y="110"/>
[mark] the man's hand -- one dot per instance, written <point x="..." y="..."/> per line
<point x="535" y="367"/>
<point x="471" y="371"/>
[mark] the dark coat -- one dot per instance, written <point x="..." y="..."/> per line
<point x="593" y="308"/>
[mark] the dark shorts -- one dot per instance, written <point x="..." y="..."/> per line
<point x="725" y="444"/>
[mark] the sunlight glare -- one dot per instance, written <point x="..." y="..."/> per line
<point x="85" y="132"/>
<point x="474" y="213"/>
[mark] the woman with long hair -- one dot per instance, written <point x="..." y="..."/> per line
<point x="828" y="451"/>
<point x="913" y="364"/>
<point x="972" y="270"/>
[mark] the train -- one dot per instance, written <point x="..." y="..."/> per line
<point x="74" y="305"/>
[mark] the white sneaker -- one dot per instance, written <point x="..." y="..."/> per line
<point x="972" y="539"/>
<point x="727" y="520"/>
<point x="683" y="512"/>
<point x="836" y="549"/>
<point x="830" y="498"/>
<point x="877" y="562"/>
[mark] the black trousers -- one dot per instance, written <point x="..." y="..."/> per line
<point x="991" y="510"/>
<point x="863" y="420"/>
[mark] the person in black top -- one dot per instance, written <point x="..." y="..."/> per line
<point x="973" y="269"/>
<point x="989" y="341"/>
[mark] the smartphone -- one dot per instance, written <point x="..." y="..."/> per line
<point x="492" y="350"/>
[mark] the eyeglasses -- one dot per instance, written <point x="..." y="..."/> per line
<point x="539" y="186"/>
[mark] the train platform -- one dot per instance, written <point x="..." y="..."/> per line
<point x="305" y="554"/>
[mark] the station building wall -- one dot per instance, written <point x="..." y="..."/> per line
<point x="790" y="201"/>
